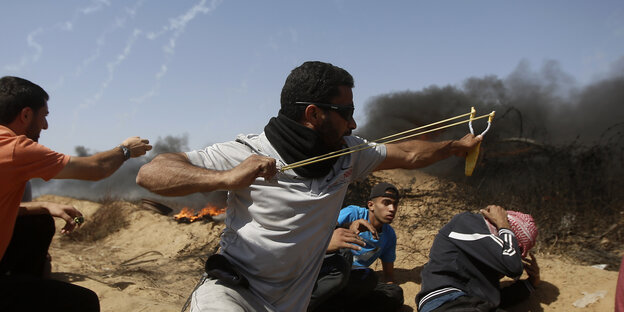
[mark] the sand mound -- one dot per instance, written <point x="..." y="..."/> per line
<point x="138" y="260"/>
<point x="151" y="263"/>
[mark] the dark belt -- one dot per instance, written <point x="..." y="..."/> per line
<point x="218" y="267"/>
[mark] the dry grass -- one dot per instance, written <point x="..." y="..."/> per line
<point x="109" y="218"/>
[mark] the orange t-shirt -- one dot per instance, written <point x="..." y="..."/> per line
<point x="21" y="159"/>
<point x="619" y="290"/>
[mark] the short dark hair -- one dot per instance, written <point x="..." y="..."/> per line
<point x="312" y="82"/>
<point x="16" y="94"/>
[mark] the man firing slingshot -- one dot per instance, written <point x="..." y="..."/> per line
<point x="278" y="228"/>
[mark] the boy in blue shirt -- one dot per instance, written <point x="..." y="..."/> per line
<point x="363" y="235"/>
<point x="381" y="243"/>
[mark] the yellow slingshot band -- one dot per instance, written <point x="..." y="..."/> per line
<point x="388" y="139"/>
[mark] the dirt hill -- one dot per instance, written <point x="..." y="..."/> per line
<point x="138" y="260"/>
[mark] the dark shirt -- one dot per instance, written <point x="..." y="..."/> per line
<point x="466" y="257"/>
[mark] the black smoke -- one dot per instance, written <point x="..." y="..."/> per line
<point x="546" y="105"/>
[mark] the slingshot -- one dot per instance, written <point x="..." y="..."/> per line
<point x="473" y="154"/>
<point x="402" y="136"/>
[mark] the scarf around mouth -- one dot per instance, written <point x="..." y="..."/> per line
<point x="295" y="142"/>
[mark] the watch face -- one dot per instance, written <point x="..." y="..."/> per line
<point x="126" y="152"/>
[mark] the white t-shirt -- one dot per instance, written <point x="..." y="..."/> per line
<point x="277" y="231"/>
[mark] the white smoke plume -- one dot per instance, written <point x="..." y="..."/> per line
<point x="118" y="23"/>
<point x="32" y="58"/>
<point x="175" y="28"/>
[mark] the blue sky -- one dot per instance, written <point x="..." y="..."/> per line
<point x="214" y="69"/>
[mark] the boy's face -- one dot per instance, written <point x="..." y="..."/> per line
<point x="383" y="208"/>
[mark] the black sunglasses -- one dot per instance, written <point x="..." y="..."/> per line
<point x="345" y="111"/>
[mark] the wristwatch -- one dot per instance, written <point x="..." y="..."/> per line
<point x="126" y="152"/>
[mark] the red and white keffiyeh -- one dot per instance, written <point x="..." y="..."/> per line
<point x="523" y="227"/>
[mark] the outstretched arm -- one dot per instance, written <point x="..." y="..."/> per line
<point x="174" y="175"/>
<point x="413" y="154"/>
<point x="103" y="164"/>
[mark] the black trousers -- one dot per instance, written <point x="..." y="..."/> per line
<point x="22" y="283"/>
<point x="27" y="252"/>
<point x="333" y="277"/>
<point x="341" y="288"/>
<point x="384" y="297"/>
<point x="26" y="293"/>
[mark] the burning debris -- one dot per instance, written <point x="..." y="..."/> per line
<point x="186" y="215"/>
<point x="207" y="213"/>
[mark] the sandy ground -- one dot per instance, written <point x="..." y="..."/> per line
<point x="138" y="260"/>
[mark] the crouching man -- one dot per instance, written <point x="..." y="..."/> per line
<point x="24" y="240"/>
<point x="469" y="256"/>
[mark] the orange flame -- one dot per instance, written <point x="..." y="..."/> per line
<point x="190" y="215"/>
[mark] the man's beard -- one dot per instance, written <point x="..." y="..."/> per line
<point x="32" y="132"/>
<point x="328" y="138"/>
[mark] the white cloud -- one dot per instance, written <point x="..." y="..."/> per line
<point x="32" y="43"/>
<point x="111" y="67"/>
<point x="67" y="26"/>
<point x="95" y="6"/>
<point x="25" y="60"/>
<point x="162" y="72"/>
